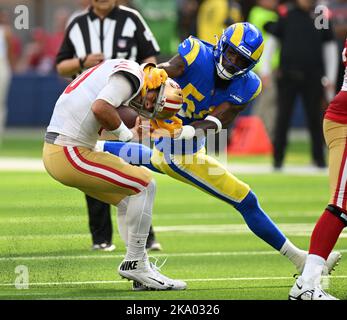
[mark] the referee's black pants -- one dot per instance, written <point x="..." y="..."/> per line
<point x="100" y="223"/>
<point x="309" y="86"/>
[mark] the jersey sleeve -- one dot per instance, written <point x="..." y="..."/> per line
<point x="132" y="71"/>
<point x="189" y="50"/>
<point x="67" y="49"/>
<point x="256" y="89"/>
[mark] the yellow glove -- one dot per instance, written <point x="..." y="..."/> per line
<point x="161" y="128"/>
<point x="154" y="77"/>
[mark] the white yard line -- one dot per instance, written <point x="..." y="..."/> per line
<point x="290" y="229"/>
<point x="72" y="283"/>
<point x="113" y="256"/>
<point x="34" y="164"/>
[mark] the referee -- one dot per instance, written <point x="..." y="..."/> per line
<point x="106" y="31"/>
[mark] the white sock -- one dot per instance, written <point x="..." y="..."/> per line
<point x="121" y="219"/>
<point x="136" y="246"/>
<point x="293" y="253"/>
<point x="99" y="146"/>
<point x="313" y="269"/>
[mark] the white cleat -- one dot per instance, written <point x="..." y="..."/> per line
<point x="330" y="264"/>
<point x="141" y="272"/>
<point x="332" y="261"/>
<point x="175" y="284"/>
<point x="305" y="291"/>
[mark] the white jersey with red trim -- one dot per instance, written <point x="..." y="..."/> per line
<point x="72" y="117"/>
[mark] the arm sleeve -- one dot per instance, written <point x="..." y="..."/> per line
<point x="146" y="42"/>
<point x="118" y="90"/>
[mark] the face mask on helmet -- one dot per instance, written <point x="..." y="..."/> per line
<point x="238" y="50"/>
<point x="161" y="103"/>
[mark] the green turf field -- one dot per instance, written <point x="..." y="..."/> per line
<point x="44" y="227"/>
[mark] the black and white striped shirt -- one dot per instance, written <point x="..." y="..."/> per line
<point x="122" y="34"/>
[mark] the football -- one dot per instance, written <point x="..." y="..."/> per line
<point x="128" y="115"/>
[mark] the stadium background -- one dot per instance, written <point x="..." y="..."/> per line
<point x="44" y="225"/>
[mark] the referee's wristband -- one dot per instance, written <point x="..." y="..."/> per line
<point x="123" y="133"/>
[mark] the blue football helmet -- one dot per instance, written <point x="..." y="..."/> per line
<point x="238" y="50"/>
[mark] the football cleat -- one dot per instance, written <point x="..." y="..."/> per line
<point x="304" y="291"/>
<point x="176" y="284"/>
<point x="332" y="261"/>
<point x="141" y="272"/>
<point x="104" y="247"/>
<point x="330" y="264"/>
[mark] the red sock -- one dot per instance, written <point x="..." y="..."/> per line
<point x="325" y="234"/>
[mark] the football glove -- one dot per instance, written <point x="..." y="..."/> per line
<point x="154" y="77"/>
<point x="161" y="128"/>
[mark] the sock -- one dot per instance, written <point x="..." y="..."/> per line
<point x="121" y="219"/>
<point x="313" y="269"/>
<point x="325" y="234"/>
<point x="294" y="254"/>
<point x="136" y="246"/>
<point x="258" y="221"/>
<point x="138" y="221"/>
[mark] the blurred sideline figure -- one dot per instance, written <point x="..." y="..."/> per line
<point x="214" y="16"/>
<point x="105" y="31"/>
<point x="334" y="218"/>
<point x="6" y="62"/>
<point x="265" y="106"/>
<point x="307" y="57"/>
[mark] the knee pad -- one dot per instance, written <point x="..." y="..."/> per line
<point x="338" y="212"/>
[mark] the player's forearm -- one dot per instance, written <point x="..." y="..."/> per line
<point x="106" y="115"/>
<point x="69" y="67"/>
<point x="174" y="67"/>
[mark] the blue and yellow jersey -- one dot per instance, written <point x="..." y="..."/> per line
<point x="198" y="82"/>
<point x="200" y="94"/>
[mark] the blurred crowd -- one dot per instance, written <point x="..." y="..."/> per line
<point x="170" y="21"/>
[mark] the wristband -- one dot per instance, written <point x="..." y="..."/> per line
<point x="187" y="132"/>
<point x="123" y="133"/>
<point x="216" y="121"/>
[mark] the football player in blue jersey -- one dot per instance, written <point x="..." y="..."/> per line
<point x="217" y="84"/>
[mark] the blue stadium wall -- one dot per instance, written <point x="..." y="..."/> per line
<point x="32" y="98"/>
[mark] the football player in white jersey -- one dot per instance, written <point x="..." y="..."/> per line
<point x="86" y="107"/>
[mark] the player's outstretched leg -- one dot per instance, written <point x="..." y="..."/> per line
<point x="136" y="265"/>
<point x="261" y="225"/>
